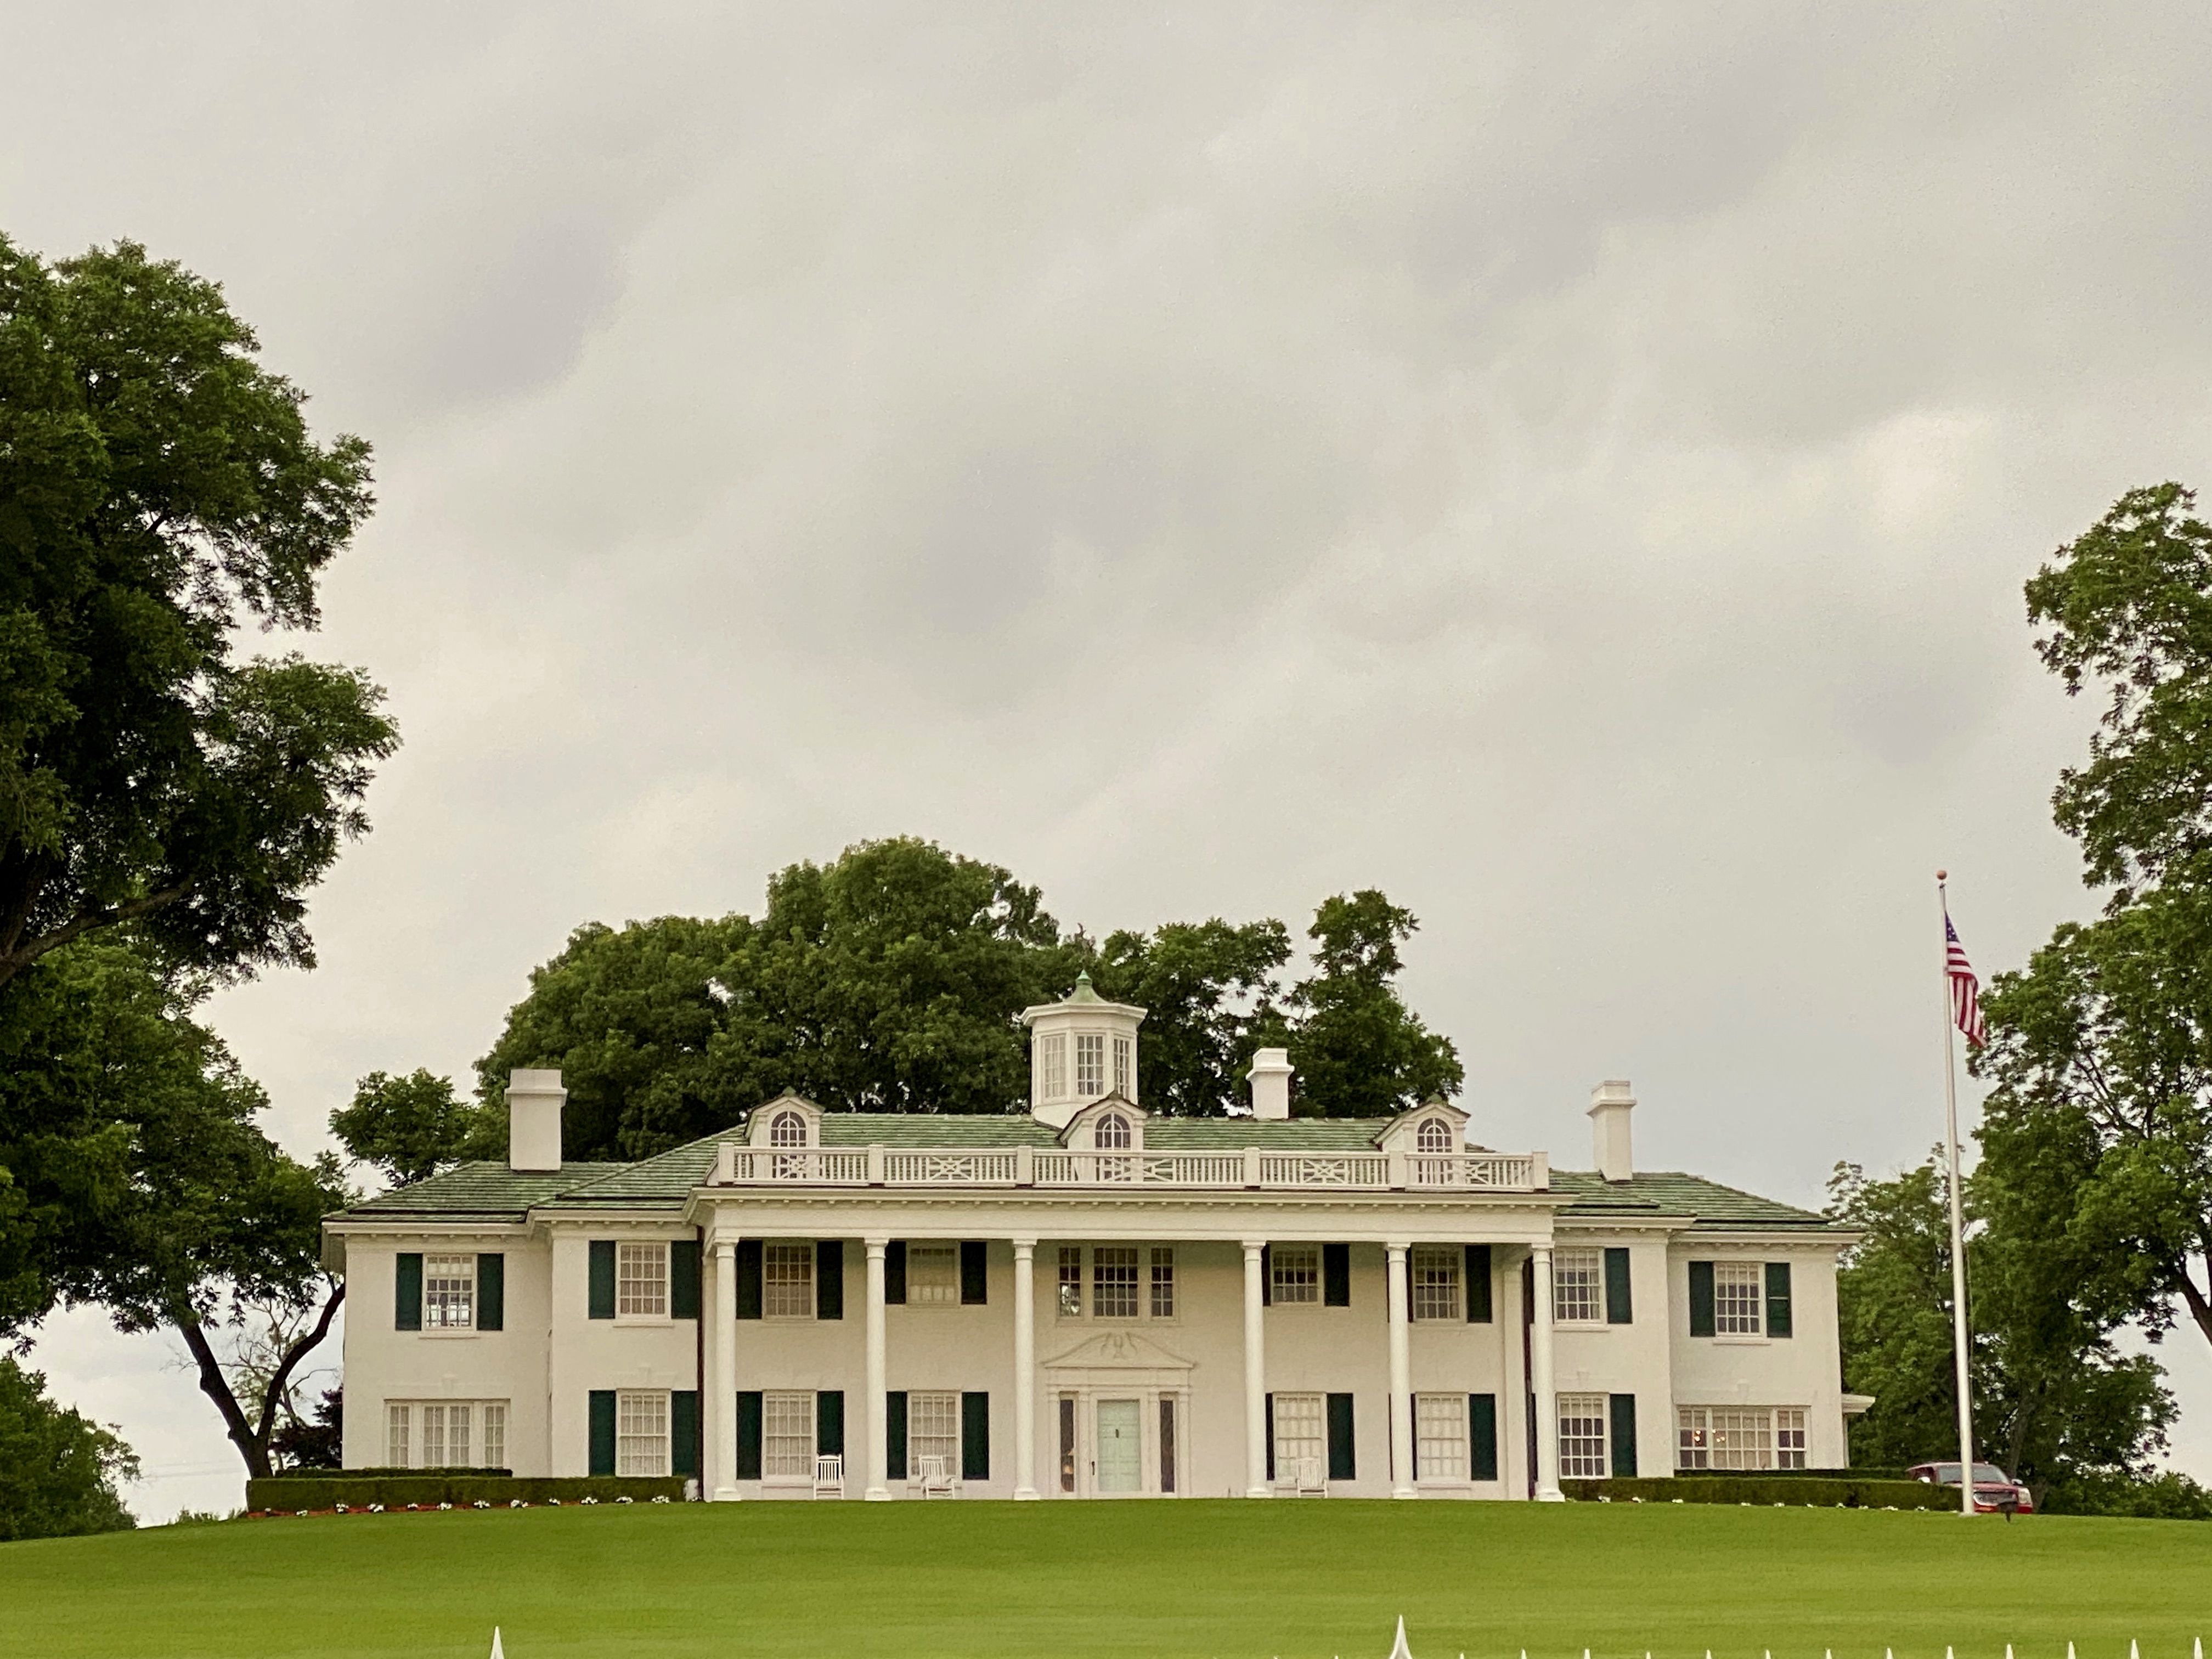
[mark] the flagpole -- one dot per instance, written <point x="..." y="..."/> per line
<point x="1959" y="1336"/>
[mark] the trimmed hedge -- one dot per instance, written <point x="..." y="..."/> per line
<point x="426" y="1489"/>
<point x="1808" y="1474"/>
<point x="380" y="1471"/>
<point x="1793" y="1488"/>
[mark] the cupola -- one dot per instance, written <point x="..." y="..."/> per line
<point x="1081" y="1049"/>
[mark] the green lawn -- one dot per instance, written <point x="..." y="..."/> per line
<point x="1219" y="1580"/>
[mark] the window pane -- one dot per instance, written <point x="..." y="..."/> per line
<point x="789" y="1129"/>
<point x="1693" y="1446"/>
<point x="1436" y="1282"/>
<point x="1090" y="1067"/>
<point x="642" y="1281"/>
<point x="1301" y="1445"/>
<point x="1163" y="1281"/>
<point x="932" y="1274"/>
<point x="1440" y="1434"/>
<point x="788" y="1280"/>
<point x="396" y="1437"/>
<point x="1053" y="1067"/>
<point x="449" y="1293"/>
<point x="641" y="1432"/>
<point x="933" y="1431"/>
<point x="1071" y="1281"/>
<point x="494" y="1434"/>
<point x="1294" y="1271"/>
<point x="788" y="1437"/>
<point x="1114" y="1281"/>
<point x="1113" y="1132"/>
<point x="1741" y="1438"/>
<point x="1582" y="1437"/>
<point x="1124" y="1073"/>
<point x="1577" y="1287"/>
<point x="460" y="1420"/>
<point x="1790" y="1437"/>
<point x="1067" y="1443"/>
<point x="1735" y="1298"/>
<point x="1433" y="1136"/>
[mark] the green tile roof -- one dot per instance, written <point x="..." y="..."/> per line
<point x="472" y="1191"/>
<point x="1671" y="1192"/>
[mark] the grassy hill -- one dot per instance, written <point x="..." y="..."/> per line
<point x="1215" y="1580"/>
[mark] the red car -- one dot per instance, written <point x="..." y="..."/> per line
<point x="1994" y="1491"/>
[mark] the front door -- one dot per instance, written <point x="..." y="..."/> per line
<point x="1120" y="1456"/>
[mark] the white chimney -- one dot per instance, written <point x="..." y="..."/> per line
<point x="1271" y="1083"/>
<point x="534" y="1100"/>
<point x="1610" y="1104"/>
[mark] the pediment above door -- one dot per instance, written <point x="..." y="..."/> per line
<point x="1119" y="1359"/>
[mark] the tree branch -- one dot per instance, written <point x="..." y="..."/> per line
<point x="293" y="1355"/>
<point x="2199" y="1308"/>
<point x="217" y="1386"/>
<point x="14" y="961"/>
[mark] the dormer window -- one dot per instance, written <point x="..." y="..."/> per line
<point x="1433" y="1136"/>
<point x="1090" y="1065"/>
<point x="1113" y="1133"/>
<point x="787" y="1129"/>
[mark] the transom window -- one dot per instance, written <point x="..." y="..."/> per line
<point x="1114" y="1281"/>
<point x="1440" y="1436"/>
<point x="1051" y="1066"/>
<point x="1294" y="1273"/>
<point x="1071" y="1281"/>
<point x="787" y="1279"/>
<point x="932" y="1274"/>
<point x="1125" y="1068"/>
<point x="1739" y="1437"/>
<point x="1113" y="1132"/>
<point x="788" y="1129"/>
<point x="1301" y="1443"/>
<point x="1582" y="1437"/>
<point x="1433" y="1136"/>
<point x="1434" y="1271"/>
<point x="642" y="1281"/>
<point x="642" y="1431"/>
<point x="932" y="1430"/>
<point x="1163" y="1281"/>
<point x="449" y="1293"/>
<point x="1578" y="1287"/>
<point x="437" y="1434"/>
<point x="788" y="1437"/>
<point x="1735" y="1298"/>
<point x="1090" y="1065"/>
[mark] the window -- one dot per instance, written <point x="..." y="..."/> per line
<point x="1294" y="1273"/>
<point x="445" y="1434"/>
<point x="396" y="1421"/>
<point x="1071" y="1281"/>
<point x="1440" y="1436"/>
<point x="494" y="1434"/>
<point x="1163" y="1281"/>
<point x="1578" y="1287"/>
<point x="1051" y="1067"/>
<point x="786" y="1437"/>
<point x="1582" y="1437"/>
<point x="449" y="1293"/>
<point x="789" y="1129"/>
<point x="1433" y="1136"/>
<point x="932" y="1430"/>
<point x="1299" y="1439"/>
<point x="932" y="1274"/>
<point x="642" y="1431"/>
<point x="787" y="1279"/>
<point x="1090" y="1067"/>
<point x="1114" y="1281"/>
<point x="1124" y="1072"/>
<point x="1436" y="1281"/>
<point x="1067" y="1440"/>
<point x="642" y="1281"/>
<point x="1739" y="1437"/>
<point x="1112" y="1133"/>
<point x="1167" y="1442"/>
<point x="1735" y="1301"/>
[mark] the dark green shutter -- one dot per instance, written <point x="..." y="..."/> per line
<point x="829" y="1278"/>
<point x="491" y="1292"/>
<point x="603" y="1430"/>
<point x="603" y="1278"/>
<point x="975" y="1437"/>
<point x="749" y="1435"/>
<point x="1777" y="1299"/>
<point x="748" y="1289"/>
<point x="1624" y="1435"/>
<point x="1482" y="1437"/>
<point x="974" y="1280"/>
<point x="684" y="1430"/>
<point x="1336" y="1276"/>
<point x="407" y="1292"/>
<point x="1701" y="1298"/>
<point x="895" y="1273"/>
<point x="1267" y="1286"/>
<point x="1270" y="1438"/>
<point x="1343" y="1460"/>
<point x="1478" y="1284"/>
<point x="1619" y="1308"/>
<point x="895" y="1435"/>
<point x="684" y="1280"/>
<point x="829" y="1423"/>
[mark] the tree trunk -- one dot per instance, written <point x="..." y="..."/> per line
<point x="2199" y="1308"/>
<point x="251" y="1439"/>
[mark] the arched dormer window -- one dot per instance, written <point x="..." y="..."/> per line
<point x="787" y="1129"/>
<point x="1112" y="1133"/>
<point x="1433" y="1136"/>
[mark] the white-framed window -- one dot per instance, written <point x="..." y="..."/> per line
<point x="1433" y="1136"/>
<point x="642" y="1281"/>
<point x="932" y="1430"/>
<point x="1090" y="1065"/>
<point x="1789" y="1437"/>
<point x="1736" y="1287"/>
<point x="449" y="1293"/>
<point x="788" y="1437"/>
<point x="1294" y="1273"/>
<point x="1435" y="1269"/>
<point x="787" y="1279"/>
<point x="1111" y="1134"/>
<point x="1071" y="1281"/>
<point x="787" y="1129"/>
<point x="1114" y="1281"/>
<point x="1299" y="1434"/>
<point x="642" y="1431"/>
<point x="1578" y="1287"/>
<point x="932" y="1274"/>
<point x="1440" y="1436"/>
<point x="1739" y="1437"/>
<point x="1125" y="1070"/>
<point x="445" y="1434"/>
<point x="1582" y="1437"/>
<point x="1052" y="1066"/>
<point x="1163" y="1289"/>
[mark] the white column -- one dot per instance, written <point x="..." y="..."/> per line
<point x="1255" y="1378"/>
<point x="879" y="1422"/>
<point x="1025" y="1369"/>
<point x="1401" y="1378"/>
<point x="1547" y="1401"/>
<point x="722" y="1403"/>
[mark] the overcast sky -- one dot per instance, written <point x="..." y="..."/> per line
<point x="1573" y="468"/>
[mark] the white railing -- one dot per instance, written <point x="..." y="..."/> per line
<point x="1251" y="1168"/>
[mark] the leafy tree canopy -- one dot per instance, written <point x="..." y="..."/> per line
<point x="158" y="490"/>
<point x="58" y="1470"/>
<point x="407" y="1128"/>
<point x="1359" y="1050"/>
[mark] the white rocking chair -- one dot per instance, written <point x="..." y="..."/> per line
<point x="1300" y="1477"/>
<point x="829" y="1477"/>
<point x="932" y="1478"/>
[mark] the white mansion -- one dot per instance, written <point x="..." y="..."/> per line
<point x="1085" y="1301"/>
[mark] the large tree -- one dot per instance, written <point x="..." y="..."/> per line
<point x="1210" y="990"/>
<point x="59" y="1469"/>
<point x="160" y="491"/>
<point x="1359" y="1050"/>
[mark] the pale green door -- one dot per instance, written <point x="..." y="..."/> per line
<point x="1119" y="1455"/>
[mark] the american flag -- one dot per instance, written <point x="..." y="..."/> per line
<point x="1966" y="989"/>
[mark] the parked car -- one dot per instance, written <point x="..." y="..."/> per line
<point x="1995" y="1490"/>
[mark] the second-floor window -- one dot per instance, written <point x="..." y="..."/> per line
<point x="449" y="1293"/>
<point x="1114" y="1281"/>
<point x="1163" y="1281"/>
<point x="642" y="1281"/>
<point x="1735" y="1298"/>
<point x="932" y="1274"/>
<point x="788" y="1280"/>
<point x="1294" y="1273"/>
<point x="1578" y="1287"/>
<point x="1435" y="1270"/>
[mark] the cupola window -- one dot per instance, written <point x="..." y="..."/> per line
<point x="1090" y="1065"/>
